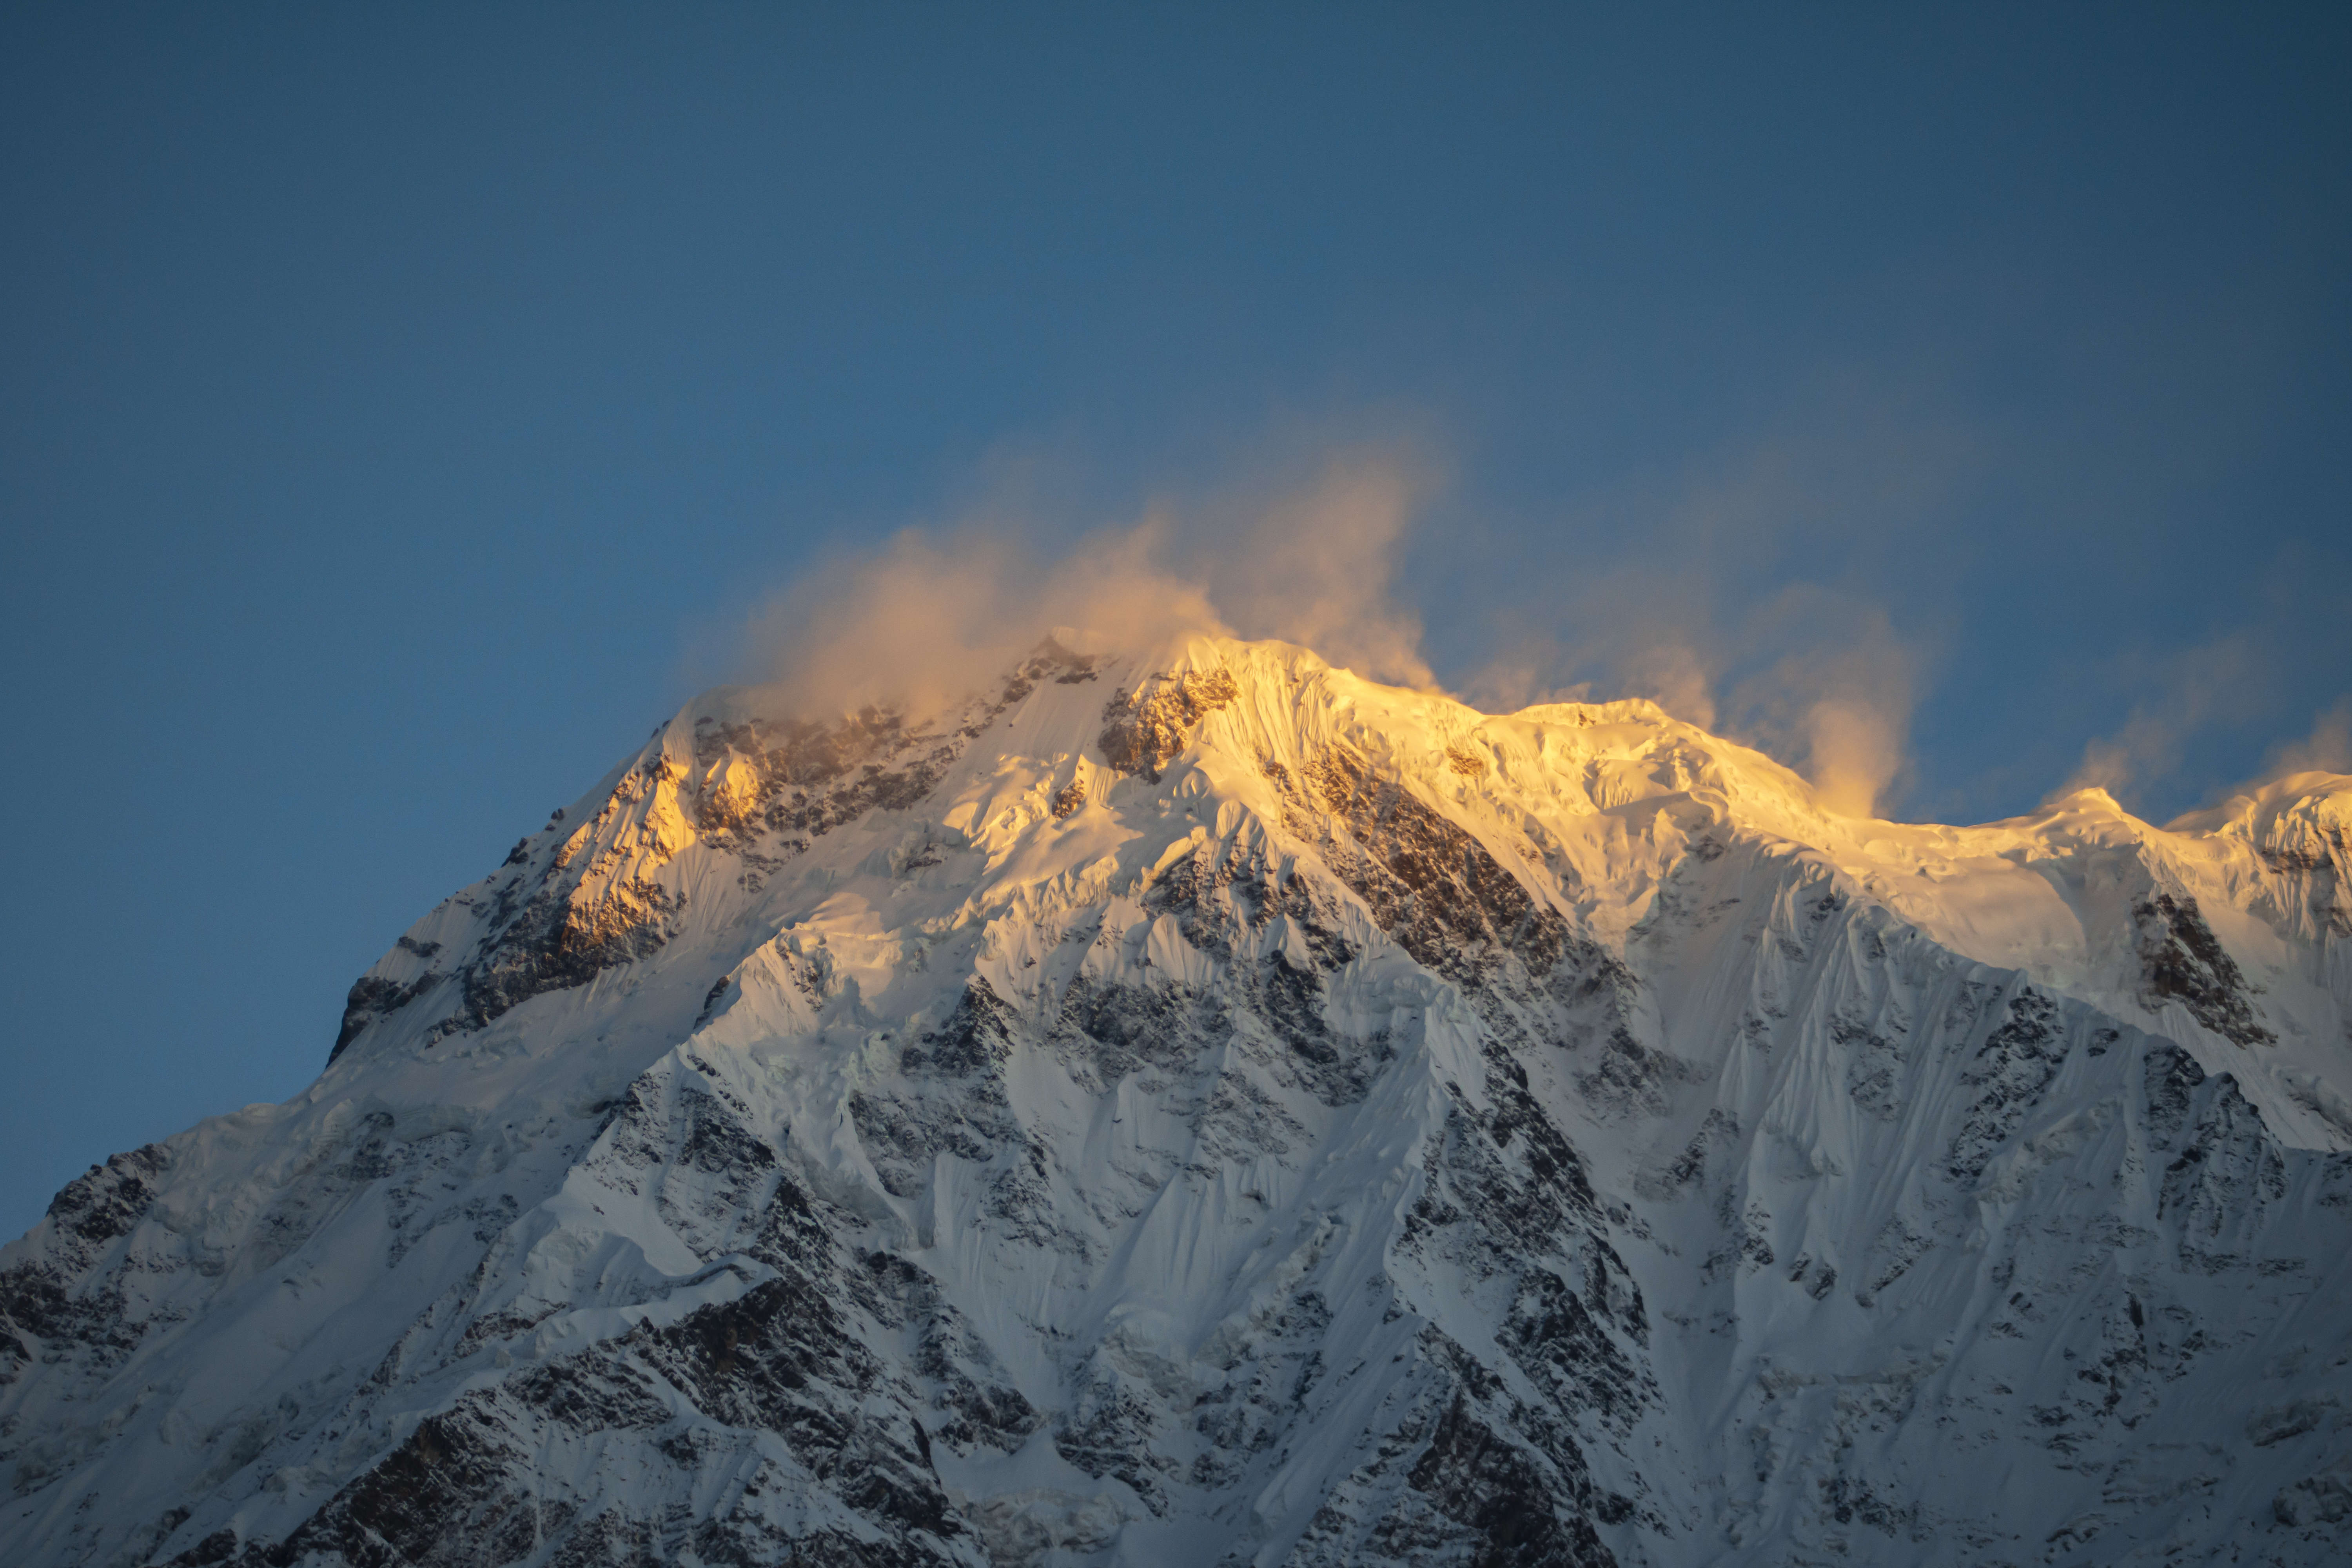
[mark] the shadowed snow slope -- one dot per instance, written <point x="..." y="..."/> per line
<point x="1207" y="1109"/>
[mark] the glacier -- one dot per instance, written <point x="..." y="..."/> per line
<point x="1196" y="1108"/>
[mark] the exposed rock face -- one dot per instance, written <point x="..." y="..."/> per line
<point x="1141" y="732"/>
<point x="1256" y="1118"/>
<point x="2187" y="961"/>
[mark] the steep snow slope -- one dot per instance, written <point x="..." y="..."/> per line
<point x="1206" y="1109"/>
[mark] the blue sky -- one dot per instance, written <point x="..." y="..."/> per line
<point x="400" y="411"/>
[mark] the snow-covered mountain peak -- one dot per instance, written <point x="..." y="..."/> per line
<point x="2301" y="817"/>
<point x="1202" y="1107"/>
<point x="1594" y="808"/>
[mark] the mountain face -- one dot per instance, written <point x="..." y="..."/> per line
<point x="1205" y="1108"/>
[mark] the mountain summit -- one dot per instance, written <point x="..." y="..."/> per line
<point x="1205" y="1108"/>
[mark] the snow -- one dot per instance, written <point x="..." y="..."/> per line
<point x="1767" y="1184"/>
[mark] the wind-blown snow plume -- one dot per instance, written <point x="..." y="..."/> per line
<point x="1841" y="699"/>
<point x="2327" y="749"/>
<point x="909" y="625"/>
<point x="1316" y="568"/>
<point x="2197" y="685"/>
<point x="1811" y="673"/>
<point x="1748" y="593"/>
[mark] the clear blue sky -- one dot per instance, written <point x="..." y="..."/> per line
<point x="397" y="405"/>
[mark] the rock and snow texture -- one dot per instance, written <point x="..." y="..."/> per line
<point x="1205" y="1110"/>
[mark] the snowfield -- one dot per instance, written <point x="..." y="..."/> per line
<point x="1204" y="1108"/>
